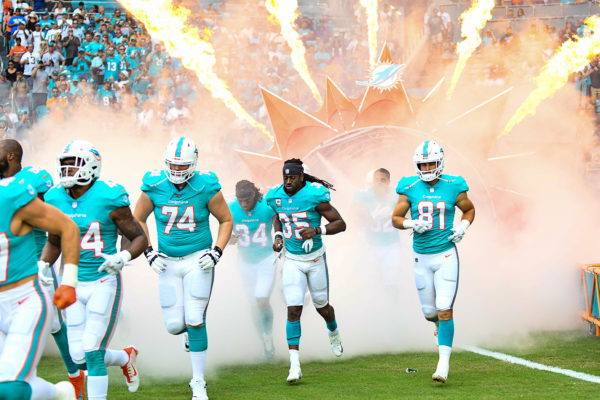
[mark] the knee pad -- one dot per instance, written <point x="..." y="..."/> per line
<point x="319" y="298"/>
<point x="167" y="294"/>
<point x="430" y="313"/>
<point x="195" y="310"/>
<point x="175" y="327"/>
<point x="95" y="363"/>
<point x="15" y="390"/>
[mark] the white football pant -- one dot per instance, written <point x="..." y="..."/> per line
<point x="297" y="275"/>
<point x="58" y="314"/>
<point x="258" y="278"/>
<point x="184" y="290"/>
<point x="24" y="326"/>
<point x="92" y="320"/>
<point x="436" y="278"/>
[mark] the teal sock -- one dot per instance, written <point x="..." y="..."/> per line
<point x="266" y="320"/>
<point x="446" y="333"/>
<point x="60" y="338"/>
<point x="332" y="326"/>
<point x="15" y="390"/>
<point x="198" y="338"/>
<point x="293" y="332"/>
<point x="95" y="363"/>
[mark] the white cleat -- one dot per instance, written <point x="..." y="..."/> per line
<point x="336" y="344"/>
<point x="269" y="348"/>
<point x="132" y="378"/>
<point x="295" y="374"/>
<point x="441" y="372"/>
<point x="186" y="342"/>
<point x="198" y="387"/>
<point x="65" y="391"/>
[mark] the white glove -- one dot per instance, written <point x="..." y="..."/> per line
<point x="156" y="259"/>
<point x="307" y="245"/>
<point x="44" y="273"/>
<point x="115" y="262"/>
<point x="417" y="225"/>
<point x="458" y="232"/>
<point x="210" y="258"/>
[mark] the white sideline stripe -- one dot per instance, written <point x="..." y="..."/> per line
<point x="530" y="364"/>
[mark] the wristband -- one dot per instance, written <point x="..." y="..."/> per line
<point x="218" y="250"/>
<point x="323" y="229"/>
<point x="465" y="224"/>
<point x="127" y="255"/>
<point x="69" y="276"/>
<point x="408" y="224"/>
<point x="148" y="250"/>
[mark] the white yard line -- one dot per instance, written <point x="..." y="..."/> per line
<point x="530" y="364"/>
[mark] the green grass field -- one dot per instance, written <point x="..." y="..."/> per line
<point x="383" y="376"/>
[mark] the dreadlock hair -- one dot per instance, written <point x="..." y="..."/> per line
<point x="308" y="177"/>
<point x="245" y="186"/>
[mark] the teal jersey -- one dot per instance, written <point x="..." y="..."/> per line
<point x="91" y="214"/>
<point x="378" y="212"/>
<point x="433" y="204"/>
<point x="181" y="215"/>
<point x="254" y="227"/>
<point x="112" y="68"/>
<point x="297" y="212"/>
<point x="17" y="253"/>
<point x="41" y="180"/>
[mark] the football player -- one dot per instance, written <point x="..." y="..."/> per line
<point x="101" y="210"/>
<point x="374" y="206"/>
<point x="431" y="198"/>
<point x="24" y="305"/>
<point x="182" y="200"/>
<point x="11" y="154"/>
<point x="300" y="203"/>
<point x="252" y="225"/>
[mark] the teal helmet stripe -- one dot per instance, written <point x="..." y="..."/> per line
<point x="425" y="148"/>
<point x="178" y="152"/>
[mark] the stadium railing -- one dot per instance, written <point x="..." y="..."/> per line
<point x="591" y="296"/>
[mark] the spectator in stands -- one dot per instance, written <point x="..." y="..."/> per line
<point x="594" y="75"/>
<point x="24" y="122"/>
<point x="71" y="45"/>
<point x="106" y="96"/>
<point x="489" y="39"/>
<point x="156" y="60"/>
<point x="53" y="60"/>
<point x="5" y="133"/>
<point x="75" y="90"/>
<point x="32" y="19"/>
<point x="15" y="21"/>
<point x="11" y="72"/>
<point x="56" y="100"/>
<point x="521" y="14"/>
<point x="178" y="114"/>
<point x="59" y="8"/>
<point x="510" y="14"/>
<point x="447" y="23"/>
<point x="5" y="88"/>
<point x="46" y="22"/>
<point x="39" y="91"/>
<point x="97" y="67"/>
<point x="436" y="28"/>
<point x="111" y="65"/>
<point x="28" y="62"/>
<point x="21" y="33"/>
<point x="17" y="51"/>
<point x="21" y="91"/>
<point x="81" y="64"/>
<point x="95" y="46"/>
<point x="37" y="36"/>
<point x="39" y="5"/>
<point x="80" y="10"/>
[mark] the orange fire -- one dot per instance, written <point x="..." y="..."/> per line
<point x="370" y="7"/>
<point x="184" y="41"/>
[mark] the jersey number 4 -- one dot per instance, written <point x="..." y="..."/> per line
<point x="185" y="223"/>
<point x="288" y="230"/>
<point x="92" y="239"/>
<point x="426" y="210"/>
<point x="259" y="236"/>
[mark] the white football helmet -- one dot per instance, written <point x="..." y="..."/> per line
<point x="87" y="164"/>
<point x="429" y="151"/>
<point x="181" y="151"/>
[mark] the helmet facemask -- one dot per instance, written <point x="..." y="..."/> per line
<point x="178" y="176"/>
<point x="79" y="164"/>
<point x="431" y="175"/>
<point x="429" y="152"/>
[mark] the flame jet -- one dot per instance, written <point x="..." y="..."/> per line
<point x="285" y="11"/>
<point x="473" y="21"/>
<point x="184" y="41"/>
<point x="370" y="7"/>
<point x="571" y="57"/>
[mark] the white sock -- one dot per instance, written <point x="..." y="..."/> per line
<point x="333" y="333"/>
<point x="198" y="364"/>
<point x="445" y="352"/>
<point x="40" y="389"/>
<point x="97" y="387"/>
<point x="115" y="357"/>
<point x="294" y="357"/>
<point x="75" y="375"/>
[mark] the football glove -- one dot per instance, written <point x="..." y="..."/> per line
<point x="210" y="258"/>
<point x="417" y="225"/>
<point x="64" y="296"/>
<point x="115" y="262"/>
<point x="458" y="232"/>
<point x="44" y="273"/>
<point x="307" y="245"/>
<point x="156" y="260"/>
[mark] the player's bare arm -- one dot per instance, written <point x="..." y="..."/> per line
<point x="48" y="218"/>
<point x="278" y="240"/>
<point x="466" y="206"/>
<point x="143" y="209"/>
<point x="330" y="213"/>
<point x="400" y="210"/>
<point x="51" y="250"/>
<point x="137" y="240"/>
<point x="217" y="206"/>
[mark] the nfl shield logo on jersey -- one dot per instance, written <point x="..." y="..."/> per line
<point x="278" y="202"/>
